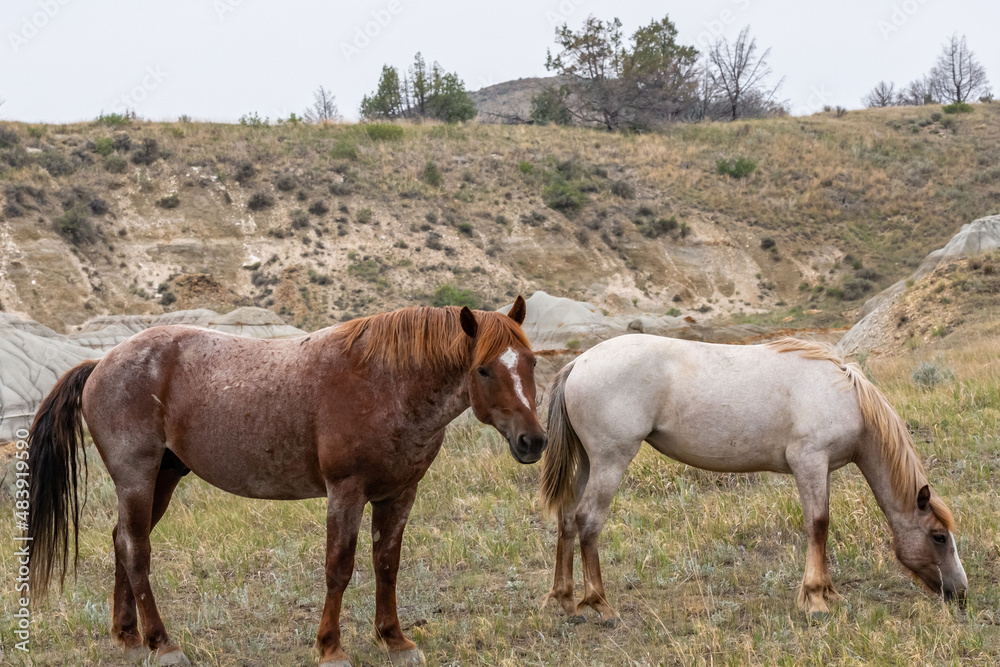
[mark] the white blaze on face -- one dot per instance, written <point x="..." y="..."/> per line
<point x="954" y="549"/>
<point x="509" y="360"/>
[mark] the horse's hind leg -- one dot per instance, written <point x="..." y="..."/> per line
<point x="124" y="624"/>
<point x="137" y="506"/>
<point x="607" y="468"/>
<point x="562" y="582"/>
<point x="812" y="477"/>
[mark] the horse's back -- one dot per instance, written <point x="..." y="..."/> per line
<point x="237" y="411"/>
<point x="735" y="408"/>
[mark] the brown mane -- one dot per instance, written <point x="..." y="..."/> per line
<point x="907" y="474"/>
<point x="429" y="337"/>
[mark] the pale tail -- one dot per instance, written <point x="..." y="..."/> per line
<point x="564" y="453"/>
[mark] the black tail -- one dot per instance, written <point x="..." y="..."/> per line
<point x="56" y="436"/>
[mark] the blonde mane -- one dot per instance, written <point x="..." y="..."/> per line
<point x="907" y="474"/>
<point x="419" y="336"/>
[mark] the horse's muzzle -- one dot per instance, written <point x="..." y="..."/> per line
<point x="528" y="448"/>
<point x="956" y="594"/>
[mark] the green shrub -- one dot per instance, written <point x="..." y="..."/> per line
<point x="654" y="229"/>
<point x="104" y="146"/>
<point x="55" y="163"/>
<point x="929" y="375"/>
<point x="319" y="278"/>
<point x="449" y="295"/>
<point x="855" y="288"/>
<point x="674" y="312"/>
<point x="383" y="131"/>
<point x="98" y="206"/>
<point x="115" y="164"/>
<point x="167" y="298"/>
<point x="344" y="150"/>
<point x="8" y="137"/>
<point x="285" y="183"/>
<point x="363" y="216"/>
<point x="300" y="219"/>
<point x="465" y="228"/>
<point x="170" y="201"/>
<point x="74" y="225"/>
<point x="113" y="120"/>
<point x="244" y="171"/>
<point x="623" y="189"/>
<point x="768" y="243"/>
<point x="741" y="167"/>
<point x="431" y="174"/>
<point x="573" y="344"/>
<point x="259" y="201"/>
<point x="549" y="106"/>
<point x="319" y="208"/>
<point x="147" y="152"/>
<point x="526" y="167"/>
<point x="958" y="107"/>
<point x="563" y="197"/>
<point x="369" y="270"/>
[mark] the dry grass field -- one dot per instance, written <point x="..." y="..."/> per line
<point x="702" y="567"/>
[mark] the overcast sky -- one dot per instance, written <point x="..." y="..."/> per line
<point x="68" y="60"/>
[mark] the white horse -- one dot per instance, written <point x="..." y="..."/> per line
<point x="788" y="406"/>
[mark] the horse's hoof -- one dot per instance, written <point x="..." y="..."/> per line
<point x="175" y="657"/>
<point x="137" y="653"/>
<point x="576" y="619"/>
<point x="612" y="622"/>
<point x="408" y="658"/>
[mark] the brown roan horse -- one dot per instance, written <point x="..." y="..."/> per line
<point x="354" y="413"/>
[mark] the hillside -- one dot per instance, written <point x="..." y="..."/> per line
<point x="325" y="223"/>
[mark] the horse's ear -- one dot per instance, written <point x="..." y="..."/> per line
<point x="923" y="497"/>
<point x="469" y="324"/>
<point x="518" y="310"/>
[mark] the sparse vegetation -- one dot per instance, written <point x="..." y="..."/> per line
<point x="740" y="167"/>
<point x="259" y="201"/>
<point x="170" y="201"/>
<point x="431" y="175"/>
<point x="449" y="295"/>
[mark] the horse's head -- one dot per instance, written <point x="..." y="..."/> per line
<point x="502" y="379"/>
<point x="926" y="546"/>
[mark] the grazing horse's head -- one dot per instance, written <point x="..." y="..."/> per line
<point x="925" y="544"/>
<point x="502" y="379"/>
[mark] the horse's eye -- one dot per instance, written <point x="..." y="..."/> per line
<point x="534" y="362"/>
<point x="483" y="372"/>
<point x="940" y="539"/>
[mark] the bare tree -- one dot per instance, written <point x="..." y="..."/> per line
<point x="916" y="93"/>
<point x="324" y="108"/>
<point x="737" y="72"/>
<point x="958" y="76"/>
<point x="882" y="95"/>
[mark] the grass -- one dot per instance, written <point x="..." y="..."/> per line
<point x="702" y="567"/>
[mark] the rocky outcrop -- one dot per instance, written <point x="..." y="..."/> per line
<point x="33" y="356"/>
<point x="877" y="319"/>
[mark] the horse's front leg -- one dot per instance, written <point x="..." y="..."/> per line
<point x="388" y="520"/>
<point x="345" y="507"/>
<point x="812" y="477"/>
